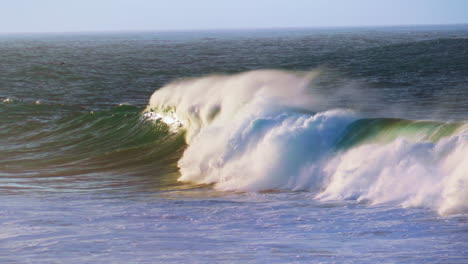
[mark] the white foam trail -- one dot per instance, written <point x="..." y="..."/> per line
<point x="257" y="131"/>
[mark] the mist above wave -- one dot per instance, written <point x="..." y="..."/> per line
<point x="269" y="129"/>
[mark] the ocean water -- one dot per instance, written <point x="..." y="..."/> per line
<point x="267" y="146"/>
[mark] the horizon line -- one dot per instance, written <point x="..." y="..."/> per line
<point x="181" y="30"/>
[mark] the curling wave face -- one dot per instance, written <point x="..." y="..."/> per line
<point x="269" y="130"/>
<point x="52" y="148"/>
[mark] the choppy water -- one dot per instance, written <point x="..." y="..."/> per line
<point x="352" y="150"/>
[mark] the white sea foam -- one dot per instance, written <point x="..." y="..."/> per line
<point x="267" y="129"/>
<point x="218" y="99"/>
<point x="432" y="175"/>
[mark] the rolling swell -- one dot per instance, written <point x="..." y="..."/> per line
<point x="60" y="147"/>
<point x="385" y="130"/>
<point x="268" y="129"/>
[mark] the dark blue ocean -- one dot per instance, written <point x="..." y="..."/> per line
<point x="337" y="145"/>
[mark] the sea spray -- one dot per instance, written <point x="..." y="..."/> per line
<point x="411" y="173"/>
<point x="267" y="129"/>
<point x="218" y="99"/>
<point x="264" y="151"/>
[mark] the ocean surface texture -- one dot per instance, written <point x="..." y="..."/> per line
<point x="270" y="146"/>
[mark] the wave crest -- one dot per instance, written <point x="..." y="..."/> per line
<point x="267" y="129"/>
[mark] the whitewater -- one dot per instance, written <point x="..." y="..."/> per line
<point x="267" y="130"/>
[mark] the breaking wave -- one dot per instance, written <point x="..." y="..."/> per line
<point x="269" y="130"/>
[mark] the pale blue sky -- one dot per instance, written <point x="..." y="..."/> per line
<point x="125" y="15"/>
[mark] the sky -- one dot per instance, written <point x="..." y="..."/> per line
<point x="130" y="15"/>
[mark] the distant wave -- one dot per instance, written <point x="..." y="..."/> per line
<point x="267" y="129"/>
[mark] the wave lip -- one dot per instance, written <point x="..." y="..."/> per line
<point x="264" y="130"/>
<point x="218" y="99"/>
